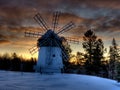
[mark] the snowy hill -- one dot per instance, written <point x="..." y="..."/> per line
<point x="35" y="81"/>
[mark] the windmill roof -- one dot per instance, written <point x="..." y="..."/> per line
<point x="50" y="38"/>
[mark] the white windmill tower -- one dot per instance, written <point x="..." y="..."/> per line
<point x="49" y="44"/>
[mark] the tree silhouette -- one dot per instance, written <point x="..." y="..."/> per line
<point x="66" y="53"/>
<point x="113" y="62"/>
<point x="5" y="61"/>
<point x="94" y="50"/>
<point x="80" y="58"/>
<point x="14" y="62"/>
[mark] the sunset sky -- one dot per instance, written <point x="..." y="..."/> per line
<point x="16" y="16"/>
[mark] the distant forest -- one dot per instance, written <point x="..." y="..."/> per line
<point x="92" y="62"/>
<point x="14" y="62"/>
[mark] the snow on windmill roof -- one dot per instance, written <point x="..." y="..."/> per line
<point x="50" y="38"/>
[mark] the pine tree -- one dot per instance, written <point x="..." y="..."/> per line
<point x="113" y="62"/>
<point x="66" y="53"/>
<point x="94" y="50"/>
<point x="15" y="62"/>
<point x="118" y="72"/>
<point x="80" y="58"/>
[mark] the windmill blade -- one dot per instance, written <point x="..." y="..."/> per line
<point x="64" y="55"/>
<point x="38" y="18"/>
<point x="55" y="20"/>
<point x="33" y="50"/>
<point x="63" y="50"/>
<point x="73" y="40"/>
<point x="67" y="27"/>
<point x="33" y="34"/>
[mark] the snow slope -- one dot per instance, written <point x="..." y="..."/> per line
<point x="35" y="81"/>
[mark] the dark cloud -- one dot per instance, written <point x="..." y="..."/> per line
<point x="4" y="42"/>
<point x="2" y="36"/>
<point x="107" y="24"/>
<point x="18" y="12"/>
<point x="84" y="8"/>
<point x="95" y="3"/>
<point x="16" y="16"/>
<point x="16" y="34"/>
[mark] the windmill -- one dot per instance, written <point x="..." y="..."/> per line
<point x="49" y="44"/>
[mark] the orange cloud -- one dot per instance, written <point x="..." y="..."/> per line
<point x="4" y="42"/>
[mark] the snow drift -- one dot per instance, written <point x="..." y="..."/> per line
<point x="36" y="81"/>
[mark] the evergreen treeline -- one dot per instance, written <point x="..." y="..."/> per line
<point x="93" y="61"/>
<point x="16" y="63"/>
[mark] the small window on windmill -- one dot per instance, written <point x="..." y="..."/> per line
<point x="53" y="55"/>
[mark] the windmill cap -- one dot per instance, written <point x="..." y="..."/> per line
<point x="50" y="38"/>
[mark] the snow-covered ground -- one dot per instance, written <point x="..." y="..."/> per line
<point x="35" y="81"/>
